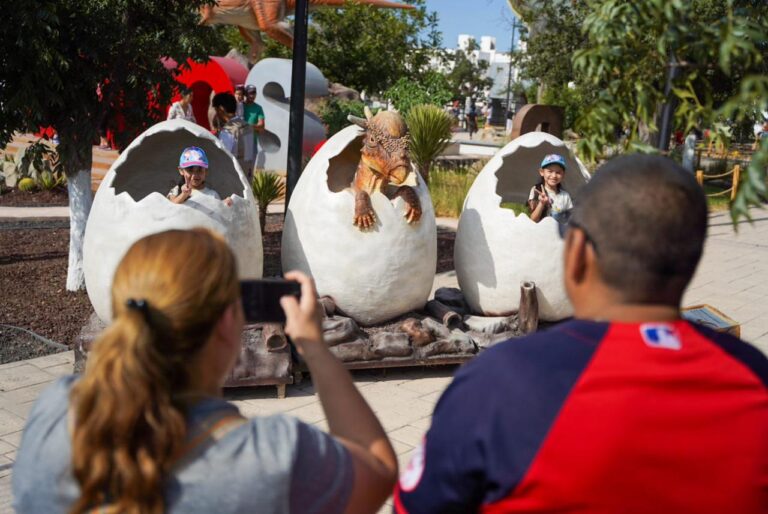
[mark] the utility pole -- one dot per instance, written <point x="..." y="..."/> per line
<point x="298" y="85"/>
<point x="509" y="71"/>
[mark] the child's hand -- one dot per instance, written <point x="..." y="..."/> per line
<point x="543" y="198"/>
<point x="228" y="201"/>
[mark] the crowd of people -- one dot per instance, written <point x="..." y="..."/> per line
<point x="236" y="119"/>
<point x="625" y="408"/>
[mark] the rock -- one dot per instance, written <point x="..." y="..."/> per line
<point x="487" y="324"/>
<point x="391" y="344"/>
<point x="463" y="341"/>
<point x="418" y="334"/>
<point x="328" y="305"/>
<point x="485" y="340"/>
<point x="274" y="337"/>
<point x="451" y="346"/>
<point x="438" y="330"/>
<point x="338" y="330"/>
<point x="354" y="351"/>
<point x="453" y="298"/>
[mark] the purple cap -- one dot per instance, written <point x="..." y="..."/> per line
<point x="553" y="158"/>
<point x="193" y="156"/>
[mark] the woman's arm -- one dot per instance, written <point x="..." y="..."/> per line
<point x="350" y="419"/>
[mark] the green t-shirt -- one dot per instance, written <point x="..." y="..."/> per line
<point x="253" y="113"/>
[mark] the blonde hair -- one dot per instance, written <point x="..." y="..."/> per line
<point x="169" y="291"/>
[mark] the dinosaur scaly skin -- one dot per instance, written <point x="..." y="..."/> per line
<point x="384" y="161"/>
<point x="268" y="16"/>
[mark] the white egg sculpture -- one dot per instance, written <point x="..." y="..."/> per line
<point x="373" y="275"/>
<point x="131" y="203"/>
<point x="495" y="250"/>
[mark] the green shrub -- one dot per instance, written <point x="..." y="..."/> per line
<point x="449" y="188"/>
<point x="430" y="129"/>
<point x="267" y="187"/>
<point x="334" y="112"/>
<point x="27" y="184"/>
<point x="50" y="180"/>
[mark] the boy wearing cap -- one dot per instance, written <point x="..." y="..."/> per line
<point x="193" y="168"/>
<point x="254" y="115"/>
<point x="548" y="198"/>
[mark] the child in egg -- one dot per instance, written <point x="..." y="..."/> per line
<point x="193" y="168"/>
<point x="548" y="198"/>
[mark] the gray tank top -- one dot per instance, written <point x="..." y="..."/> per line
<point x="274" y="464"/>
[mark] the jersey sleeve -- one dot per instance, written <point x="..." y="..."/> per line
<point x="259" y="114"/>
<point x="323" y="474"/>
<point x="567" y="203"/>
<point x="447" y="472"/>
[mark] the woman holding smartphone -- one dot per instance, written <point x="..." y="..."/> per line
<point x="145" y="429"/>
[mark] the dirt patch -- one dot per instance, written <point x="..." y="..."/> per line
<point x="33" y="273"/>
<point x="15" y="198"/>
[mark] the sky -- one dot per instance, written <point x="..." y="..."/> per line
<point x="474" y="17"/>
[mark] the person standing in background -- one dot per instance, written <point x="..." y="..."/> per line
<point x="254" y="116"/>
<point x="182" y="109"/>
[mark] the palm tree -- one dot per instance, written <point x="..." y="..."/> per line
<point x="430" y="129"/>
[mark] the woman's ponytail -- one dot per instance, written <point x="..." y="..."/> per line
<point x="133" y="428"/>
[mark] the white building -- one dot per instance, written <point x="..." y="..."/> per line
<point x="498" y="63"/>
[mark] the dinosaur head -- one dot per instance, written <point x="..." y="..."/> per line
<point x="385" y="146"/>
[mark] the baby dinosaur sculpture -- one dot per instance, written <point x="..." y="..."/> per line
<point x="384" y="162"/>
<point x="255" y="16"/>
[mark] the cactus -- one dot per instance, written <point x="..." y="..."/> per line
<point x="27" y="184"/>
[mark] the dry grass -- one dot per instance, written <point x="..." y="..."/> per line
<point x="449" y="188"/>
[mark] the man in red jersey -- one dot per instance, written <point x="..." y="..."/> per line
<point x="625" y="409"/>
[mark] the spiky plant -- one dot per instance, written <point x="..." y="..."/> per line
<point x="267" y="187"/>
<point x="430" y="129"/>
<point x="27" y="184"/>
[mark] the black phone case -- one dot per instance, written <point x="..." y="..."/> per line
<point x="261" y="299"/>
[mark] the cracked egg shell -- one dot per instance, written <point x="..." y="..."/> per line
<point x="495" y="250"/>
<point x="131" y="203"/>
<point x="373" y="275"/>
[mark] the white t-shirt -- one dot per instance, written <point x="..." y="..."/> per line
<point x="176" y="191"/>
<point x="559" y="202"/>
<point x="177" y="111"/>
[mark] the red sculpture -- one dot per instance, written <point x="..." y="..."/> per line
<point x="254" y="16"/>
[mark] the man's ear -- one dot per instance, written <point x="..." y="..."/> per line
<point x="575" y="258"/>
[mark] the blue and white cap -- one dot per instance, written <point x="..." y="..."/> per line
<point x="193" y="156"/>
<point x="553" y="158"/>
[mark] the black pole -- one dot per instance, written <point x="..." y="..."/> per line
<point x="298" y="80"/>
<point x="509" y="71"/>
<point x="668" y="109"/>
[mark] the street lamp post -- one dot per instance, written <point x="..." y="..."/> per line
<point x="509" y="71"/>
<point x="298" y="81"/>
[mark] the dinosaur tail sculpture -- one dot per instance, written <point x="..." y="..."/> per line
<point x="340" y="3"/>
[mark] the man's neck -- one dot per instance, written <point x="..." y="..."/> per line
<point x="628" y="312"/>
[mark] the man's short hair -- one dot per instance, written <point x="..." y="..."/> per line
<point x="226" y="101"/>
<point x="647" y="219"/>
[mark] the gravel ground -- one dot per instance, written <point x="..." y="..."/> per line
<point x="16" y="198"/>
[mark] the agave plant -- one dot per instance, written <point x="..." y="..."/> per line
<point x="430" y="129"/>
<point x="267" y="187"/>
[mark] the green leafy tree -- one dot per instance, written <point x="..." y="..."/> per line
<point x="433" y="89"/>
<point x="68" y="64"/>
<point x="720" y="52"/>
<point x="366" y="48"/>
<point x="467" y="76"/>
<point x="334" y="112"/>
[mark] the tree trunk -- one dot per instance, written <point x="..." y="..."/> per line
<point x="263" y="219"/>
<point x="425" y="172"/>
<point x="80" y="201"/>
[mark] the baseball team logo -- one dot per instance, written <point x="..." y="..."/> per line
<point x="660" y="335"/>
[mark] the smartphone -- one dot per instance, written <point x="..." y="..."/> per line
<point x="261" y="298"/>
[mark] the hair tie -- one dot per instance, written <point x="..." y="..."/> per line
<point x="140" y="305"/>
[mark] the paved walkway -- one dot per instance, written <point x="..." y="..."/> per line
<point x="733" y="277"/>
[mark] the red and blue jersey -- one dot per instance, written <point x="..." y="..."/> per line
<point x="592" y="417"/>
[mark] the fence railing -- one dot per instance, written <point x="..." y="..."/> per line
<point x="735" y="173"/>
